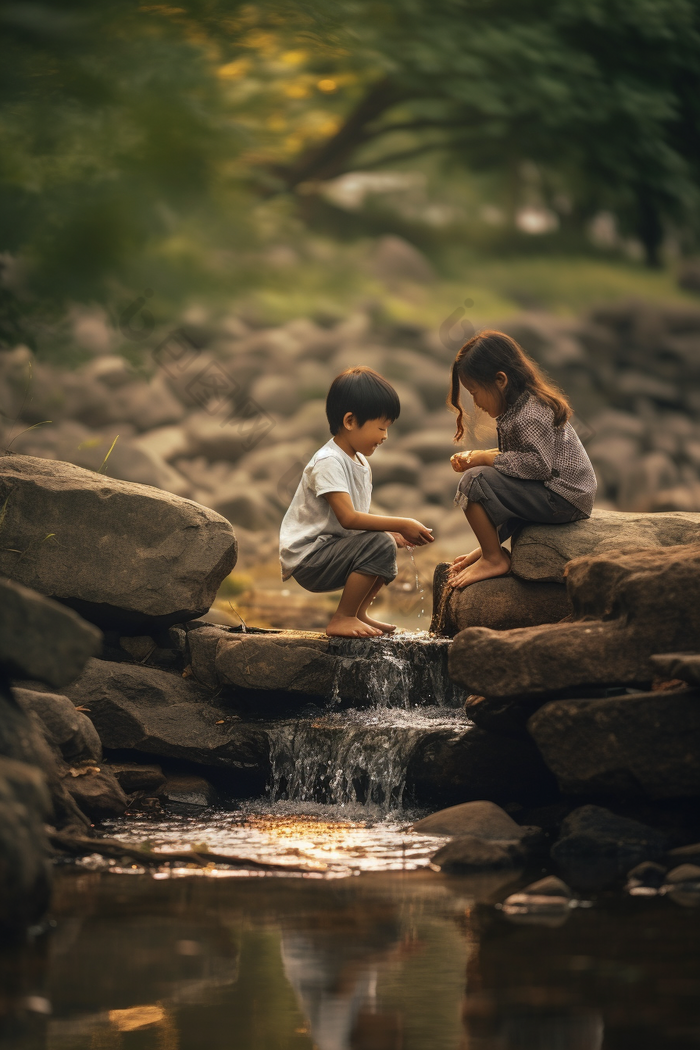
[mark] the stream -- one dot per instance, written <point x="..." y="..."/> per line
<point x="359" y="945"/>
<point x="386" y="960"/>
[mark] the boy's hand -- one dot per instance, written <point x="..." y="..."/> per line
<point x="415" y="534"/>
<point x="399" y="540"/>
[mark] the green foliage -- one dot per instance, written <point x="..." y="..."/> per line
<point x="114" y="142"/>
<point x="165" y="146"/>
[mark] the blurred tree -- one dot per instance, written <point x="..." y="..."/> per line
<point x="114" y="145"/>
<point x="136" y="138"/>
<point x="604" y="95"/>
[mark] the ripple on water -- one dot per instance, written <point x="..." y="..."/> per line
<point x="333" y="841"/>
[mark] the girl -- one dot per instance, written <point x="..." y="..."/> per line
<point x="540" y="470"/>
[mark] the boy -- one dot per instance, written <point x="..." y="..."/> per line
<point x="328" y="538"/>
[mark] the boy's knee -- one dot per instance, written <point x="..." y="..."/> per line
<point x="387" y="543"/>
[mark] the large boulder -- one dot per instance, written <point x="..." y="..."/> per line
<point x="25" y="874"/>
<point x="541" y="552"/>
<point x="626" y="608"/>
<point x="635" y="745"/>
<point x="130" y="555"/>
<point x="501" y="604"/>
<point x="41" y="639"/>
<point x="148" y="710"/>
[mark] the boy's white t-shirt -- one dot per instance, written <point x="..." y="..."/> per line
<point x="310" y="520"/>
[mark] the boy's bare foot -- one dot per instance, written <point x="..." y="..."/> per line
<point x="482" y="569"/>
<point x="351" y="627"/>
<point x="385" y="628"/>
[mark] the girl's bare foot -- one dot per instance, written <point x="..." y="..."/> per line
<point x="351" y="627"/>
<point x="462" y="560"/>
<point x="385" y="628"/>
<point x="482" y="569"/>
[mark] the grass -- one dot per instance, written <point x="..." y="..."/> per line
<point x="565" y="285"/>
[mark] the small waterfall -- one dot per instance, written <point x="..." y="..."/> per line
<point x="399" y="671"/>
<point x="389" y="697"/>
<point x="352" y="756"/>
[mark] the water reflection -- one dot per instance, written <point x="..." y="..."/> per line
<point x="379" y="962"/>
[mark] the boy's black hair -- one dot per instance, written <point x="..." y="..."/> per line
<point x="363" y="392"/>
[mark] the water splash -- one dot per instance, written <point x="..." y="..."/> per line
<point x="420" y="589"/>
<point x="352" y="757"/>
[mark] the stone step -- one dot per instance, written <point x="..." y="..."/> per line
<point x="397" y="671"/>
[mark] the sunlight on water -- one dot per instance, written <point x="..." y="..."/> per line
<point x="331" y="840"/>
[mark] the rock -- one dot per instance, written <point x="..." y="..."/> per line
<point x="40" y="639"/>
<point x="154" y="559"/>
<point x="268" y="662"/>
<point x="155" y="712"/>
<point x="438" y="483"/>
<point x="395" y="498"/>
<point x="596" y="846"/>
<point x="397" y="468"/>
<point x="546" y="902"/>
<point x="96" y="790"/>
<point x="644" y="745"/>
<point x="541" y="552"/>
<point x="689" y="275"/>
<point x="483" y="819"/>
<point x="477" y="765"/>
<point x="626" y="607"/>
<point x="469" y="853"/>
<point x="129" y="461"/>
<point x="309" y="664"/>
<point x="683" y="873"/>
<point x="23" y="739"/>
<point x="189" y="791"/>
<point x="25" y="872"/>
<point x="503" y="604"/>
<point x="683" y="854"/>
<point x="645" y="879"/>
<point x="137" y="776"/>
<point x="507" y="717"/>
<point x="68" y="731"/>
<point x="682" y="666"/>
<point x="397" y="260"/>
<point x="550" y="886"/>
<point x="683" y="885"/>
<point x="246" y="505"/>
<point x="429" y="446"/>
<point x="168" y="443"/>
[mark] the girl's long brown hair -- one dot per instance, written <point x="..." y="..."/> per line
<point x="485" y="355"/>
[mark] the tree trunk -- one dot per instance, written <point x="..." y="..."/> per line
<point x="330" y="158"/>
<point x="649" y="228"/>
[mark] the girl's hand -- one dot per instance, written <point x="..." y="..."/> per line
<point x="478" y="457"/>
<point x="461" y="461"/>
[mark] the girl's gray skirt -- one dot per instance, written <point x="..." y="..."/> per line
<point x="513" y="502"/>
<point x="328" y="567"/>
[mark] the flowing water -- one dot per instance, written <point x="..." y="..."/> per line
<point x="359" y="945"/>
<point x="352" y="756"/>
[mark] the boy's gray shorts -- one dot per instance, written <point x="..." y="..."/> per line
<point x="512" y="502"/>
<point x="328" y="568"/>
